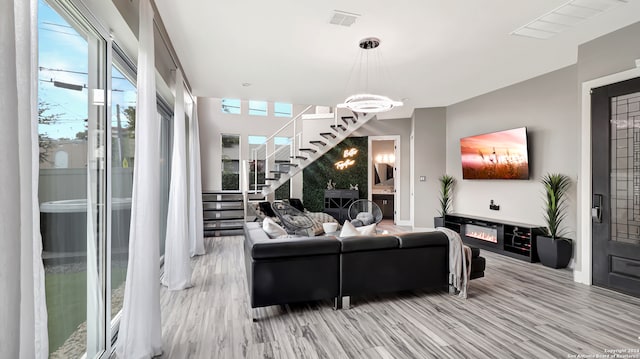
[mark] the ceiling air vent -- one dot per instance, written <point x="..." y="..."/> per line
<point x="564" y="17"/>
<point x="343" y="18"/>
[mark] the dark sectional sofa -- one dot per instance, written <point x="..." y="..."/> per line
<point x="281" y="271"/>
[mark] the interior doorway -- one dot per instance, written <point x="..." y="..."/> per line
<point x="616" y="186"/>
<point x="384" y="169"/>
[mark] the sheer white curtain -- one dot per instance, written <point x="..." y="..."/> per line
<point x="177" y="266"/>
<point x="23" y="331"/>
<point x="140" y="334"/>
<point x="195" y="186"/>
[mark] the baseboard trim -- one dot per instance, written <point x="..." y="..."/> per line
<point x="403" y="223"/>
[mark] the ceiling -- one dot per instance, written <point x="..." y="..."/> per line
<point x="433" y="52"/>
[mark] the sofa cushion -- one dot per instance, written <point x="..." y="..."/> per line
<point x="295" y="247"/>
<point x="368" y="243"/>
<point x="422" y="239"/>
<point x="260" y="245"/>
<point x="272" y="229"/>
<point x="475" y="252"/>
<point x="478" y="264"/>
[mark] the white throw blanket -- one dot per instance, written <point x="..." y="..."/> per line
<point x="459" y="262"/>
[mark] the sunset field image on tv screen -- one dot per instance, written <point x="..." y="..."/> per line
<point x="496" y="155"/>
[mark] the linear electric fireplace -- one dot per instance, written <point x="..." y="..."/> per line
<point x="488" y="234"/>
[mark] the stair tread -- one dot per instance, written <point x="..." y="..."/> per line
<point x="221" y="200"/>
<point x="325" y="134"/>
<point x="271" y="179"/>
<point x="336" y="127"/>
<point x="299" y="157"/>
<point x="288" y="164"/>
<point x="223" y="219"/>
<point x="222" y="209"/>
<point x="230" y="228"/>
<point x="318" y="142"/>
<point x="308" y="150"/>
<point x="221" y="192"/>
<point x="347" y="118"/>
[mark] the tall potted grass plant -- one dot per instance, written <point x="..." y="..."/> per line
<point x="553" y="249"/>
<point x="446" y="191"/>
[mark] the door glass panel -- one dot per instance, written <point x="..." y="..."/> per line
<point x="230" y="162"/>
<point x="71" y="131"/>
<point x="282" y="152"/>
<point x="257" y="152"/>
<point x="123" y="124"/>
<point x="625" y="168"/>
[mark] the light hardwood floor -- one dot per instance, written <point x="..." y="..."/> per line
<point x="519" y="310"/>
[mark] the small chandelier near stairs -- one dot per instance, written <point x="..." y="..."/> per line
<point x="368" y="102"/>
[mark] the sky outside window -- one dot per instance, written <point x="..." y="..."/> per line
<point x="62" y="75"/>
<point x="231" y="105"/>
<point x="281" y="109"/>
<point x="257" y="108"/>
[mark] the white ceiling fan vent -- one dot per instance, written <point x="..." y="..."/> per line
<point x="564" y="17"/>
<point x="343" y="18"/>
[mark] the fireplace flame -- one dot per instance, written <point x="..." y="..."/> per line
<point x="483" y="236"/>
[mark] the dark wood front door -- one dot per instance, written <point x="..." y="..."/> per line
<point x="615" y="121"/>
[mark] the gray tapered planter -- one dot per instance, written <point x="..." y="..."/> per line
<point x="554" y="253"/>
<point x="438" y="222"/>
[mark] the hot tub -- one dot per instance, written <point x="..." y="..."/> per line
<point x="63" y="224"/>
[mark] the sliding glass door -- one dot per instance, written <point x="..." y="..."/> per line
<point x="87" y="143"/>
<point x="72" y="190"/>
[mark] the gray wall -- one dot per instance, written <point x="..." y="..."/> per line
<point x="609" y="54"/>
<point x="429" y="148"/>
<point x="548" y="106"/>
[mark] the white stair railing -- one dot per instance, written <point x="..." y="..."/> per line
<point x="280" y="161"/>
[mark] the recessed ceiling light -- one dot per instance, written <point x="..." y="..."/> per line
<point x="565" y="16"/>
<point x="246" y="84"/>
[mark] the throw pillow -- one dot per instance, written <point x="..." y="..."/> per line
<point x="365" y="217"/>
<point x="317" y="228"/>
<point x="357" y="223"/>
<point x="273" y="229"/>
<point x="348" y="230"/>
<point x="369" y="230"/>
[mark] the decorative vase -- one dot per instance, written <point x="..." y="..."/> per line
<point x="438" y="222"/>
<point x="554" y="253"/>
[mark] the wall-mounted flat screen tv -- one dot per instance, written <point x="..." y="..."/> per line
<point x="496" y="155"/>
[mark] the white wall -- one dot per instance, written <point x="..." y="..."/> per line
<point x="213" y="123"/>
<point x="429" y="148"/>
<point x="548" y="107"/>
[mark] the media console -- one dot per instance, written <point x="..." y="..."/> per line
<point x="512" y="239"/>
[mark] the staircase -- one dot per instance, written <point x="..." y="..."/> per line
<point x="309" y="136"/>
<point x="223" y="213"/>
